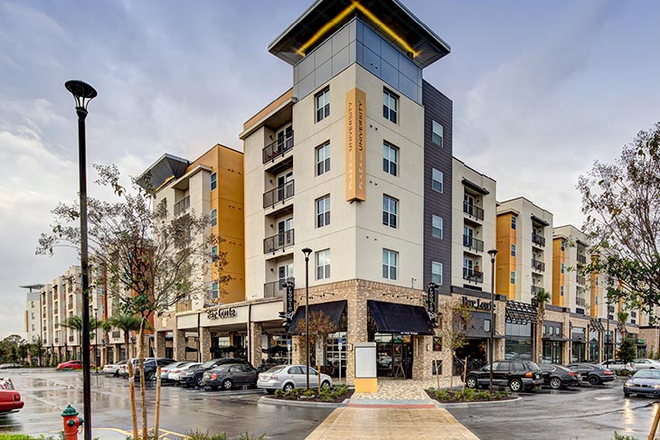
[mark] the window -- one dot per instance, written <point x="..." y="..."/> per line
<point x="438" y="134"/>
<point x="214" y="217"/>
<point x="486" y="325"/>
<point x="323" y="211"/>
<point x="323" y="264"/>
<point x="436" y="273"/>
<point x="563" y="245"/>
<point x="563" y="268"/>
<point x="390" y="105"/>
<point x="513" y="277"/>
<point x="214" y="181"/>
<point x="390" y="209"/>
<point x="513" y="222"/>
<point x="390" y="264"/>
<point x="322" y="104"/>
<point x="214" y="290"/>
<point x="214" y="253"/>
<point x="438" y="180"/>
<point x="390" y="159"/>
<point x="436" y="230"/>
<point x="323" y="159"/>
<point x="513" y="250"/>
<point x="561" y="290"/>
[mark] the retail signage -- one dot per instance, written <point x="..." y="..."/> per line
<point x="290" y="298"/>
<point x="432" y="298"/>
<point x="221" y="313"/>
<point x="356" y="138"/>
<point x="477" y="303"/>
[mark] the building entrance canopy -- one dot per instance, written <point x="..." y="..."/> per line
<point x="399" y="318"/>
<point x="333" y="310"/>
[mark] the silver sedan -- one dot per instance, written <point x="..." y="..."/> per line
<point x="288" y="377"/>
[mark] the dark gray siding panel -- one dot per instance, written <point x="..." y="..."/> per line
<point x="439" y="108"/>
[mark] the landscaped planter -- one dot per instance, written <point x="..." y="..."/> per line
<point x="467" y="396"/>
<point x="335" y="394"/>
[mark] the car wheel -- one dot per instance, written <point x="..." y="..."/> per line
<point x="227" y="384"/>
<point x="151" y="376"/>
<point x="199" y="381"/>
<point x="626" y="394"/>
<point x="515" y="385"/>
<point x="555" y="383"/>
<point x="325" y="385"/>
<point x="288" y="388"/>
<point x="471" y="382"/>
<point x="594" y="380"/>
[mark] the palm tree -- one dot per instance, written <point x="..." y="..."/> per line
<point x="541" y="298"/>
<point x="76" y="323"/>
<point x="127" y="323"/>
<point x="622" y="318"/>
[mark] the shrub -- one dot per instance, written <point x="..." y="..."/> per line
<point x="618" y="436"/>
<point x="468" y="395"/>
<point x="199" y="435"/>
<point x="442" y="395"/>
<point x="308" y="393"/>
<point x="279" y="393"/>
<point x="247" y="436"/>
<point x="484" y="395"/>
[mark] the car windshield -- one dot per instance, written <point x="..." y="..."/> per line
<point x="275" y="369"/>
<point x="647" y="374"/>
<point x="208" y="364"/>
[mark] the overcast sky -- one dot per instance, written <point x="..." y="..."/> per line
<point x="541" y="89"/>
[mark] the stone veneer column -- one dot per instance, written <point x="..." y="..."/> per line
<point x="298" y="350"/>
<point x="205" y="344"/>
<point x="180" y="345"/>
<point x="499" y="348"/>
<point x="160" y="344"/>
<point x="357" y="311"/>
<point x="254" y="344"/>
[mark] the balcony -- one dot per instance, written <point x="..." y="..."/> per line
<point x="279" y="241"/>
<point x="181" y="206"/>
<point x="275" y="289"/>
<point x="536" y="289"/>
<point x="538" y="240"/>
<point x="582" y="259"/>
<point x="473" y="275"/>
<point x="473" y="211"/>
<point x="538" y="266"/>
<point x="278" y="195"/>
<point x="473" y="243"/>
<point x="278" y="148"/>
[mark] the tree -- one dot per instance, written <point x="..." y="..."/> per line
<point x="622" y="204"/>
<point x="454" y="319"/>
<point x="152" y="260"/>
<point x="320" y="327"/>
<point x="13" y="348"/>
<point x="622" y="318"/>
<point x="76" y="323"/>
<point x="125" y="322"/>
<point x="541" y="298"/>
<point x="627" y="352"/>
<point x="37" y="350"/>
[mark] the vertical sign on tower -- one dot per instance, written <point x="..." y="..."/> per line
<point x="356" y="143"/>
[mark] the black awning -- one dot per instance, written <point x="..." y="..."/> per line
<point x="474" y="187"/>
<point x="539" y="220"/>
<point x="520" y="313"/>
<point x="597" y="325"/>
<point x="399" y="318"/>
<point x="333" y="310"/>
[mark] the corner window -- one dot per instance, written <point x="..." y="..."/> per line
<point x="214" y="290"/>
<point x="563" y="245"/>
<point x="390" y="264"/>
<point x="390" y="211"/>
<point x="390" y="159"/>
<point x="322" y="104"/>
<point x="438" y="180"/>
<point x="513" y="222"/>
<point x="437" y="229"/>
<point x="563" y="268"/>
<point x="513" y="250"/>
<point x="390" y="105"/>
<point x="438" y="134"/>
<point x="214" y="217"/>
<point x="323" y="211"/>
<point x="214" y="181"/>
<point x="561" y="291"/>
<point x="513" y="277"/>
<point x="214" y="253"/>
<point x="436" y="273"/>
<point x="323" y="264"/>
<point x="323" y="159"/>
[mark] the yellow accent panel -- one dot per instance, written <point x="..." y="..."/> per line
<point x="504" y="262"/>
<point x="366" y="385"/>
<point x="557" y="277"/>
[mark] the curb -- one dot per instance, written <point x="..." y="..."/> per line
<point x="469" y="404"/>
<point x="272" y="401"/>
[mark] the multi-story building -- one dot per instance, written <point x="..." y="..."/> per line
<point x="33" y="313"/>
<point x="571" y="288"/>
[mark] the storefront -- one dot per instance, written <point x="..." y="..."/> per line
<point x="475" y="351"/>
<point x="578" y="344"/>
<point x="553" y="343"/>
<point x="521" y="320"/>
<point x="596" y="331"/>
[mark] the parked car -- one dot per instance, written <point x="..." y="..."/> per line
<point x="165" y="371"/>
<point x="617" y="365"/>
<point x="195" y="376"/>
<point x="10" y="399"/>
<point x="12" y="365"/>
<point x="113" y="368"/>
<point x="593" y="373"/>
<point x="518" y="375"/>
<point x="645" y="381"/>
<point x="175" y="374"/>
<point x="151" y="367"/>
<point x="123" y="369"/>
<point x="556" y="376"/>
<point x="70" y="365"/>
<point x="288" y="377"/>
<point x="646" y="364"/>
<point x="229" y="375"/>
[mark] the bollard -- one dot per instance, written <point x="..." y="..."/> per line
<point x="72" y="421"/>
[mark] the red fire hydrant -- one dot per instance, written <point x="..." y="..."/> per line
<point x="72" y="421"/>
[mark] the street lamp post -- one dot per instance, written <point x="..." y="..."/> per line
<point x="492" y="253"/>
<point x="83" y="93"/>
<point x="609" y="338"/>
<point x="97" y="358"/>
<point x="307" y="251"/>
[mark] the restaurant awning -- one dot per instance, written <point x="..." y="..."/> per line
<point x="399" y="318"/>
<point x="333" y="310"/>
<point x="520" y="313"/>
<point x="597" y="325"/>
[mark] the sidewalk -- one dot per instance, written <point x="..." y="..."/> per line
<point x="400" y="392"/>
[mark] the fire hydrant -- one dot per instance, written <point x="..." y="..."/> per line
<point x="72" y="421"/>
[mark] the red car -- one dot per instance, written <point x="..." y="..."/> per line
<point x="70" y="365"/>
<point x="10" y="400"/>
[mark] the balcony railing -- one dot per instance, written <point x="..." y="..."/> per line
<point x="473" y="211"/>
<point x="473" y="243"/>
<point x="473" y="275"/>
<point x="279" y="241"/>
<point x="582" y="259"/>
<point x="279" y="194"/>
<point x="580" y="279"/>
<point x="277" y="148"/>
<point x="538" y="240"/>
<point x="536" y="289"/>
<point x="182" y="206"/>
<point x="275" y="289"/>
<point x="538" y="266"/>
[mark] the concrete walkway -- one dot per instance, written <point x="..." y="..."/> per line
<point x="390" y="390"/>
<point x="391" y="424"/>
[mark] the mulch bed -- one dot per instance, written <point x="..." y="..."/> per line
<point x="301" y="398"/>
<point x="452" y="398"/>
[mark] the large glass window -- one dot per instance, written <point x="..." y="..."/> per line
<point x="390" y="105"/>
<point x="323" y="159"/>
<point x="323" y="211"/>
<point x="518" y="341"/>
<point x="436" y="273"/>
<point x="390" y="211"/>
<point x="323" y="264"/>
<point x="322" y="104"/>
<point x="390" y="264"/>
<point x="390" y="159"/>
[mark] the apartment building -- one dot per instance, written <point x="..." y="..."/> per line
<point x="33" y="313"/>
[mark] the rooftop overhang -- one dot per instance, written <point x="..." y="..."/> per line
<point x="476" y="188"/>
<point x="391" y="19"/>
<point x="539" y="220"/>
<point x="166" y="168"/>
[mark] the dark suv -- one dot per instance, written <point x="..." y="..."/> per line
<point x="516" y="374"/>
<point x="194" y="376"/>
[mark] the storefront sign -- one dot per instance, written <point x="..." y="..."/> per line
<point x="641" y="341"/>
<point x="432" y="298"/>
<point x="221" y="313"/>
<point x="477" y="303"/>
<point x="356" y="177"/>
<point x="290" y="299"/>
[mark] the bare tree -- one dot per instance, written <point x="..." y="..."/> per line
<point x="320" y="327"/>
<point x="454" y="320"/>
